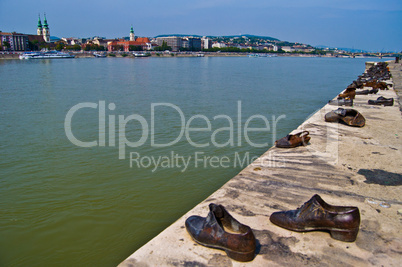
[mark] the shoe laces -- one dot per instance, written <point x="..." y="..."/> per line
<point x="308" y="207"/>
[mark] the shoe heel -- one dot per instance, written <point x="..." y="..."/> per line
<point x="344" y="235"/>
<point x="239" y="256"/>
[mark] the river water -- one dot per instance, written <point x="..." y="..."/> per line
<point x="97" y="156"/>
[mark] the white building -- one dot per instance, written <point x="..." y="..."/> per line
<point x="218" y="45"/>
<point x="205" y="43"/>
<point x="287" y="49"/>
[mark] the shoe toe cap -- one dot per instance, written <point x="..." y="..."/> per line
<point x="194" y="225"/>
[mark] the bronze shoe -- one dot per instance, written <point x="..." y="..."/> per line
<point x="342" y="222"/>
<point x="341" y="102"/>
<point x="293" y="140"/>
<point x="382" y="101"/>
<point x="211" y="231"/>
<point x="349" y="93"/>
<point x="350" y="117"/>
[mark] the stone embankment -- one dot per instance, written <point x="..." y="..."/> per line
<point x="346" y="166"/>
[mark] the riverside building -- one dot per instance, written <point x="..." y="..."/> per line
<point x="142" y="42"/>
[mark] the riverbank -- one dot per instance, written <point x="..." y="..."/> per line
<point x="15" y="55"/>
<point x="346" y="166"/>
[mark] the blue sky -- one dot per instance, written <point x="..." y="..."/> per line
<point x="373" y="25"/>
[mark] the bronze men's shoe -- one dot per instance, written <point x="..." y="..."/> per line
<point x="341" y="102"/>
<point x="293" y="140"/>
<point x="342" y="222"/>
<point x="239" y="243"/>
<point x="350" y="117"/>
<point x="366" y="92"/>
<point x="382" y="101"/>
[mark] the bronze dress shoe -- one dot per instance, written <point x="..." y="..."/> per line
<point x="293" y="140"/>
<point x="239" y="244"/>
<point x="341" y="102"/>
<point x="382" y="101"/>
<point x="366" y="92"/>
<point x="342" y="222"/>
<point x="350" y="117"/>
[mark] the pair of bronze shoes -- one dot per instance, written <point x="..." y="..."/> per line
<point x="293" y="140"/>
<point x="350" y="117"/>
<point x="220" y="230"/>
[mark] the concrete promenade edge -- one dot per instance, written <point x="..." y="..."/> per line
<point x="346" y="166"/>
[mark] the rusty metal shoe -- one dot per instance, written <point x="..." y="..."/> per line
<point x="212" y="231"/>
<point x="349" y="93"/>
<point x="293" y="140"/>
<point x="342" y="222"/>
<point x="382" y="101"/>
<point x="350" y="117"/>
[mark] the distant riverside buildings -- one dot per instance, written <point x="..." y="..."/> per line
<point x="13" y="41"/>
<point x="21" y="42"/>
<point x="178" y="43"/>
<point x="143" y="42"/>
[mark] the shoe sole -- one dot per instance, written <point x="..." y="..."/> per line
<point x="304" y="142"/>
<point x="346" y="235"/>
<point x="236" y="255"/>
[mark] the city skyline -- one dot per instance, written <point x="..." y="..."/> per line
<point x="367" y="25"/>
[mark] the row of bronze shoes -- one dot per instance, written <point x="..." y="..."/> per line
<point x="221" y="231"/>
<point x="374" y="77"/>
<point x="349" y="117"/>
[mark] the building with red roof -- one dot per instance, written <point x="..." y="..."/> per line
<point x="142" y="42"/>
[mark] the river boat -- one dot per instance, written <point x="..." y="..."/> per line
<point x="98" y="54"/>
<point x="141" y="54"/>
<point x="45" y="55"/>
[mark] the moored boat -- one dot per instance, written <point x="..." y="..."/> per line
<point x="99" y="54"/>
<point x="141" y="54"/>
<point x="45" y="55"/>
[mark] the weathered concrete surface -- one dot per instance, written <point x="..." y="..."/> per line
<point x="396" y="70"/>
<point x="345" y="165"/>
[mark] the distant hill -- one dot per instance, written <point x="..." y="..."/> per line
<point x="250" y="36"/>
<point x="226" y="36"/>
<point x="352" y="50"/>
<point x="180" y="35"/>
<point x="54" y="39"/>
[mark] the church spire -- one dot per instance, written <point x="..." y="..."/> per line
<point x="39" y="22"/>
<point x="45" y="30"/>
<point x="132" y="36"/>
<point x="45" y="25"/>
<point x="39" y="27"/>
